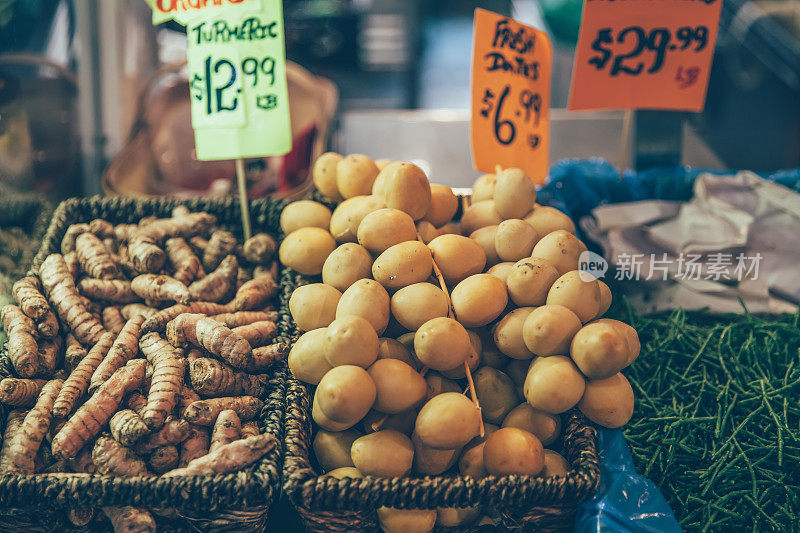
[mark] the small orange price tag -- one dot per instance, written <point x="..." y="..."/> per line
<point x="511" y="67"/>
<point x="644" y="54"/>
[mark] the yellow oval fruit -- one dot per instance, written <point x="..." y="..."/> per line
<point x="576" y="293"/>
<point x="415" y="304"/>
<point x="514" y="239"/>
<point x="529" y="280"/>
<point x="385" y="453"/>
<point x="402" y="265"/>
<point x="324" y="175"/>
<point x="561" y="249"/>
<point x="608" y="402"/>
<point x="479" y="299"/>
<point x="479" y="215"/>
<point x="306" y="250"/>
<point x="368" y="299"/>
<point x="399" y="387"/>
<point x="307" y="357"/>
<point x="384" y="228"/>
<point x="355" y="175"/>
<point x="443" y="207"/>
<point x="554" y="384"/>
<point x="351" y="340"/>
<point x="545" y="219"/>
<point x="348" y="215"/>
<point x="405" y="187"/>
<point x="457" y="257"/>
<point x="345" y="265"/>
<point x="514" y="193"/>
<point x="447" y="421"/>
<point x="549" y="329"/>
<point x="305" y="214"/>
<point x="442" y="344"/>
<point x="511" y="451"/>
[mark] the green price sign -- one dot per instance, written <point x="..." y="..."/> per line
<point x="237" y="75"/>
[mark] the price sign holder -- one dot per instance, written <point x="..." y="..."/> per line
<point x="237" y="80"/>
<point x="644" y="54"/>
<point x="511" y="69"/>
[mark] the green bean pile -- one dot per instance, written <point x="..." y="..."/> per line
<point x="717" y="423"/>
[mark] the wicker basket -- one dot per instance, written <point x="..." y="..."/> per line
<point x="522" y="503"/>
<point x="229" y="502"/>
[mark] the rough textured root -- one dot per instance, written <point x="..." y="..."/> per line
<point x="130" y="520"/>
<point x="109" y="290"/>
<point x="13" y="423"/>
<point x="205" y="412"/>
<point x="204" y="332"/>
<point x="127" y="427"/>
<point x="188" y="396"/>
<point x="222" y="243"/>
<point x="196" y="445"/>
<point x="185" y="263"/>
<point x="167" y="381"/>
<point x="227" y="429"/>
<point x="213" y="378"/>
<point x="158" y="322"/>
<point x="266" y="356"/>
<point x="82" y="462"/>
<point x="71" y="235"/>
<point x="63" y="295"/>
<point x="249" y="429"/>
<point x="163" y="459"/>
<point x="95" y="308"/>
<point x="28" y="438"/>
<point x="143" y="247"/>
<point x="228" y="458"/>
<point x="174" y="431"/>
<point x="27" y="292"/>
<point x="73" y="266"/>
<point x="50" y="357"/>
<point x="125" y="348"/>
<point x="160" y="288"/>
<point x="20" y="392"/>
<point x="102" y="228"/>
<point x="23" y="350"/>
<point x="244" y="318"/>
<point x="259" y="248"/>
<point x="95" y="259"/>
<point x="258" y="333"/>
<point x="255" y="294"/>
<point x="242" y="277"/>
<point x="218" y="285"/>
<point x="194" y="353"/>
<point x="124" y="232"/>
<point x="75" y="352"/>
<point x="112" y="319"/>
<point x="112" y="458"/>
<point x="198" y="244"/>
<point x="77" y="383"/>
<point x="87" y="421"/>
<point x="48" y="326"/>
<point x="136" y="401"/>
<point x="131" y="310"/>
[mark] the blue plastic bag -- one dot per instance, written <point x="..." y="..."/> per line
<point x="625" y="500"/>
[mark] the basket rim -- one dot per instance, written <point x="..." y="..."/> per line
<point x="251" y="489"/>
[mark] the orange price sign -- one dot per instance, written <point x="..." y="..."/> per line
<point x="511" y="67"/>
<point x="644" y="54"/>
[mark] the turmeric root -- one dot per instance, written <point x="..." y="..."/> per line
<point x="13" y="423"/>
<point x="73" y="266"/>
<point x="266" y="356"/>
<point x="163" y="459"/>
<point x="95" y="259"/>
<point x="258" y="333"/>
<point x="87" y="421"/>
<point x="249" y="429"/>
<point x="158" y="322"/>
<point x="227" y="429"/>
<point x="82" y="462"/>
<point x="159" y="288"/>
<point x="205" y="412"/>
<point x="74" y="352"/>
<point x="198" y="244"/>
<point x="221" y="244"/>
<point x="27" y="292"/>
<point x="62" y="293"/>
<point x="212" y="378"/>
<point x="130" y="519"/>
<point x="244" y="318"/>
<point x="196" y="445"/>
<point x="255" y="293"/>
<point x="23" y="349"/>
<point x="143" y="248"/>
<point x="131" y="310"/>
<point x="48" y="326"/>
<point x="136" y="402"/>
<point x="77" y="383"/>
<point x="112" y="458"/>
<point x="207" y="333"/>
<point x="109" y="290"/>
<point x="259" y="248"/>
<point x="174" y="431"/>
<point x="71" y="235"/>
<point x="50" y="357"/>
<point x="102" y="228"/>
<point x="167" y="380"/>
<point x="184" y="261"/>
<point x="187" y="397"/>
<point x="127" y="427"/>
<point x="217" y="285"/>
<point x="112" y="319"/>
<point x="26" y="441"/>
<point x="228" y="458"/>
<point x="242" y="277"/>
<point x="125" y="348"/>
<point x="20" y="392"/>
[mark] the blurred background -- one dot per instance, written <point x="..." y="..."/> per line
<point x="94" y="98"/>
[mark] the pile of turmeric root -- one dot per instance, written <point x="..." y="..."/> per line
<point x="141" y="350"/>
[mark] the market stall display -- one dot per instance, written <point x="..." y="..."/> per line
<point x="399" y="327"/>
<point x="168" y="388"/>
